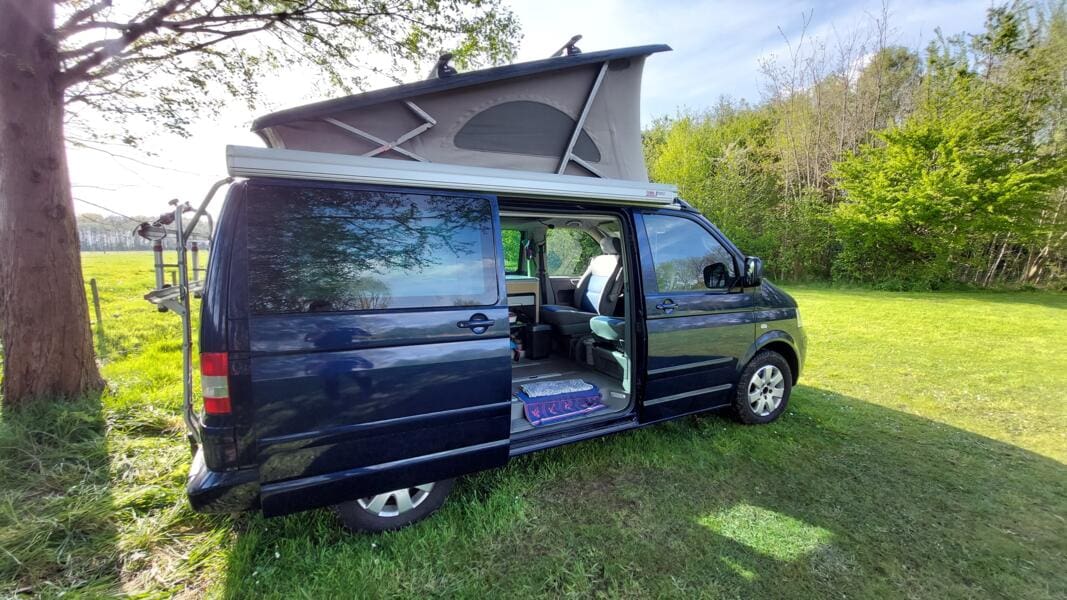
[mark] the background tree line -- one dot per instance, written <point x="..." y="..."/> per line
<point x="878" y="164"/>
<point x="109" y="233"/>
<point x="98" y="232"/>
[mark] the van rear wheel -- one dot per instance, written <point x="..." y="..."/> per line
<point x="763" y="389"/>
<point x="394" y="509"/>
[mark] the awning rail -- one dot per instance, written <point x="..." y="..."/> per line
<point x="243" y="161"/>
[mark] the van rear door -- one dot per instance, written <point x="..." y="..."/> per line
<point x="378" y="333"/>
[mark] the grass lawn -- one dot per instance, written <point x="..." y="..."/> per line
<point x="924" y="455"/>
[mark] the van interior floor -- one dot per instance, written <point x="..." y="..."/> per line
<point x="555" y="368"/>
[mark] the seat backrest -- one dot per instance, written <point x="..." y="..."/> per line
<point x="593" y="293"/>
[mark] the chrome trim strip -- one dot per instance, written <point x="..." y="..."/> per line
<point x="707" y="390"/>
<point x="692" y="365"/>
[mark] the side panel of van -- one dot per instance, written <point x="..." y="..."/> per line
<point x="696" y="333"/>
<point x="378" y="337"/>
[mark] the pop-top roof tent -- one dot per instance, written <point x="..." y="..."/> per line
<point x="576" y="114"/>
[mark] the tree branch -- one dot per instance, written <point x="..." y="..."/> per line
<point x="83" y="14"/>
<point x="133" y="32"/>
<point x="222" y="36"/>
<point x="89" y="26"/>
<point x="84" y="50"/>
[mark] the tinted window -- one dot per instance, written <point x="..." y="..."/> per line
<point x="525" y="127"/>
<point x="569" y="251"/>
<point x="682" y="250"/>
<point x="314" y="250"/>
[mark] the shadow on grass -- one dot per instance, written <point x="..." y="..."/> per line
<point x="841" y="497"/>
<point x="56" y="513"/>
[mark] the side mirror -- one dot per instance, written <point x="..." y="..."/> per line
<point x="753" y="271"/>
<point x="715" y="276"/>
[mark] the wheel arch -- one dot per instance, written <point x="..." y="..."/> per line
<point x="781" y="343"/>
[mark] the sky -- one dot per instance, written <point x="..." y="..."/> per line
<point x="718" y="49"/>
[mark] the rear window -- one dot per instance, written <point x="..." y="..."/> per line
<point x="328" y="250"/>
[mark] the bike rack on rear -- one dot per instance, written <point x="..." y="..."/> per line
<point x="176" y="297"/>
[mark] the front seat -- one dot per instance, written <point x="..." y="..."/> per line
<point x="609" y="355"/>
<point x="596" y="293"/>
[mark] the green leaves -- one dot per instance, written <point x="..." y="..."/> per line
<point x="726" y="164"/>
<point x="902" y="173"/>
<point x="961" y="183"/>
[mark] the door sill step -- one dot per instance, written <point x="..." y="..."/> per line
<point x="533" y="443"/>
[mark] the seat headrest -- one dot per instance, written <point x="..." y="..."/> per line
<point x="610" y="245"/>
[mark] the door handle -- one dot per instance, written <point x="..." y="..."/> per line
<point x="478" y="323"/>
<point x="667" y="306"/>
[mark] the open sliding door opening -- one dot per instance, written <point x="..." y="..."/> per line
<point x="568" y="284"/>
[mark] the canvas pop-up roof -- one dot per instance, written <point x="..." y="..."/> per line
<point x="575" y="114"/>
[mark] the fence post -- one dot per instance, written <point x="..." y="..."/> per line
<point x="96" y="307"/>
<point x="195" y="249"/>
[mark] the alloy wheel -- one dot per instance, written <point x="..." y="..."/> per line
<point x="396" y="502"/>
<point x="766" y="390"/>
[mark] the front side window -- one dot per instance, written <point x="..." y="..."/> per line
<point x="323" y="250"/>
<point x="686" y="257"/>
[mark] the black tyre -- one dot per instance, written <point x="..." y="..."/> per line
<point x="763" y="389"/>
<point x="395" y="509"/>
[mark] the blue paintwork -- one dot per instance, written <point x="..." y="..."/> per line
<point x="776" y="328"/>
<point x="694" y="344"/>
<point x="220" y="306"/>
<point x="333" y="406"/>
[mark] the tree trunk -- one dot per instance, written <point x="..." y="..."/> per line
<point x="44" y="324"/>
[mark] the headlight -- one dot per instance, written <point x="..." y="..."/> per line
<point x="800" y="323"/>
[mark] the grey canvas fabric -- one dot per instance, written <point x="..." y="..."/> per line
<point x="476" y="124"/>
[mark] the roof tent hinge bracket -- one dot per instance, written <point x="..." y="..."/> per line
<point x="426" y="116"/>
<point x="568" y="154"/>
<point x="384" y="146"/>
<point x="588" y="167"/>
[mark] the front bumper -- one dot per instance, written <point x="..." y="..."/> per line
<point x="221" y="491"/>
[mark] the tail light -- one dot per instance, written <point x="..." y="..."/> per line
<point x="215" y="382"/>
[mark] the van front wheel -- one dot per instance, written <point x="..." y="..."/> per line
<point x="394" y="509"/>
<point x="763" y="389"/>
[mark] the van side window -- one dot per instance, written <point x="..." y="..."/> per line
<point x="686" y="257"/>
<point x="568" y="251"/>
<point x="328" y="249"/>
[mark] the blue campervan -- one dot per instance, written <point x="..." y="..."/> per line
<point x="416" y="283"/>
